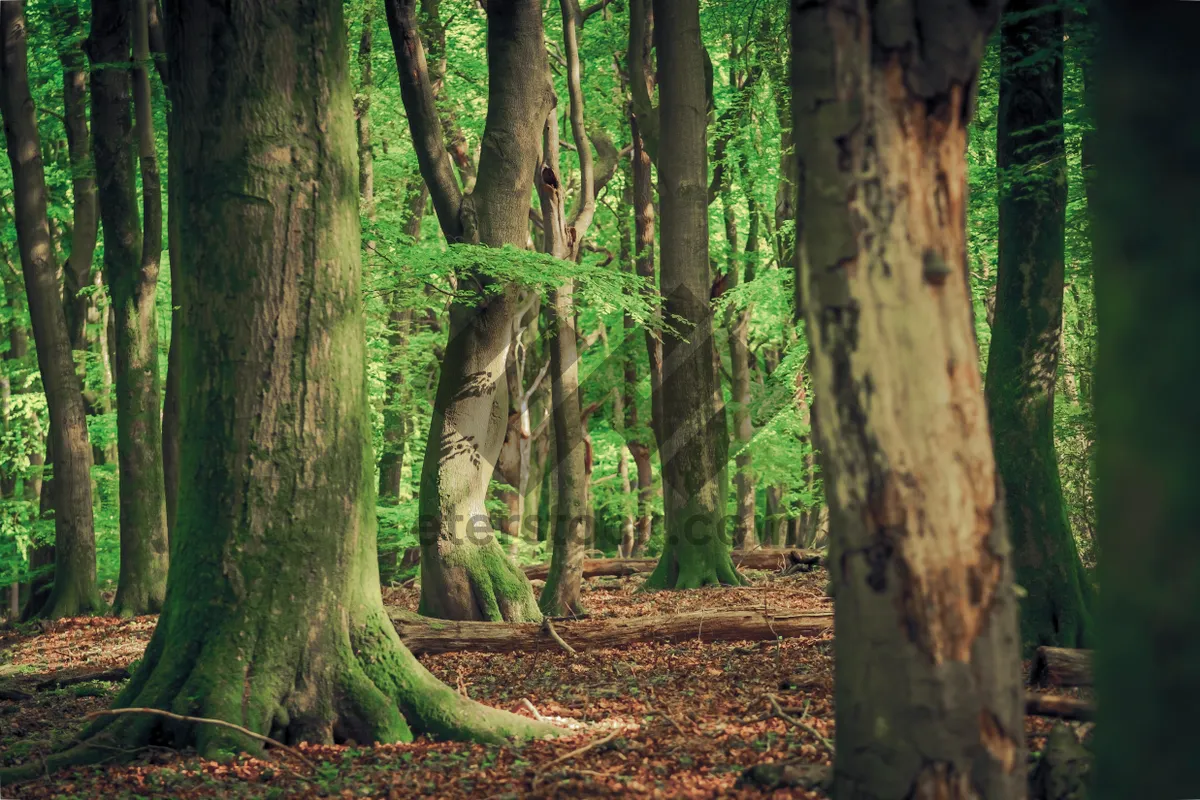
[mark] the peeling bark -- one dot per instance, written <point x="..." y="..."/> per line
<point x="927" y="678"/>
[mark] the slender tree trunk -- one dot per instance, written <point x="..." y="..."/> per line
<point x="275" y="578"/>
<point x="362" y="115"/>
<point x="84" y="214"/>
<point x="396" y="425"/>
<point x="465" y="573"/>
<point x="927" y="678"/>
<point x="1147" y="259"/>
<point x="737" y="321"/>
<point x="1024" y="354"/>
<point x="775" y="527"/>
<point x="74" y="591"/>
<point x="693" y="452"/>
<point x="573" y="525"/>
<point x="131" y="270"/>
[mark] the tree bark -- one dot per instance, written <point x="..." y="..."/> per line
<point x="1147" y="269"/>
<point x="1026" y="330"/>
<point x="927" y="678"/>
<point x="693" y="455"/>
<point x="74" y="591"/>
<point x="424" y="636"/>
<point x="737" y="321"/>
<point x="274" y="578"/>
<point x="1061" y="666"/>
<point x="362" y="115"/>
<point x="465" y="573"/>
<point x="131" y="262"/>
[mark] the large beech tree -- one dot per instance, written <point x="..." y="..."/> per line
<point x="74" y="590"/>
<point x="694" y="441"/>
<point x="1147" y="292"/>
<point x="131" y="263"/>
<point x="274" y="581"/>
<point x="927" y="674"/>
<point x="1026" y="330"/>
<point x="465" y="573"/>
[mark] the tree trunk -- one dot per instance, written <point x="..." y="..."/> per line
<point x="737" y="321"/>
<point x="131" y="271"/>
<point x="74" y="591"/>
<point x="395" y="413"/>
<point x="642" y="125"/>
<point x="362" y="115"/>
<point x="693" y="456"/>
<point x="927" y="676"/>
<point x="274" y="578"/>
<point x="573" y="524"/>
<point x="465" y="573"/>
<point x="84" y="213"/>
<point x="1147" y="258"/>
<point x="424" y="636"/>
<point x="776" y="527"/>
<point x="1023" y="357"/>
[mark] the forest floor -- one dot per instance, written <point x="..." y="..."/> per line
<point x="688" y="717"/>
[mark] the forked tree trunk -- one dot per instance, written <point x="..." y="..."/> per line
<point x="465" y="573"/>
<point x="1147" y="259"/>
<point x="274" y="578"/>
<point x="927" y="676"/>
<point x="737" y="321"/>
<point x="1023" y="357"/>
<point x="131" y="272"/>
<point x="695" y="444"/>
<point x="74" y="591"/>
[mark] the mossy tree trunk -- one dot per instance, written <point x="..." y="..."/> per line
<point x="465" y="573"/>
<point x="1147" y="259"/>
<point x="693" y="452"/>
<point x="273" y="618"/>
<point x="131" y="262"/>
<point x="1024" y="354"/>
<point x="927" y="677"/>
<point x="75" y="590"/>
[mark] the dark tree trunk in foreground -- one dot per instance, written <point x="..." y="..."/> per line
<point x="74" y="591"/>
<point x="693" y="451"/>
<point x="1148" y="299"/>
<point x="465" y="573"/>
<point x="928" y="692"/>
<point x="273" y="619"/>
<point x="131" y="272"/>
<point x="1026" y="331"/>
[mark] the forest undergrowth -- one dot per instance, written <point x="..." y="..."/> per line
<point x="673" y="719"/>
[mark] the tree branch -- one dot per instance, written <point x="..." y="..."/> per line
<point x="420" y="106"/>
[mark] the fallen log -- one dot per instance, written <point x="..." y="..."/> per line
<point x="743" y="559"/>
<point x="108" y="675"/>
<point x="426" y="635"/>
<point x="1061" y="666"/>
<point x="1050" y="705"/>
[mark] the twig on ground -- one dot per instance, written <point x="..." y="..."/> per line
<point x="548" y="626"/>
<point x="537" y="779"/>
<point x="205" y="721"/>
<point x="804" y="726"/>
<point x="536" y="714"/>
